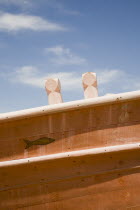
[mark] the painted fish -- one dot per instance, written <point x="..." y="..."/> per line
<point x="41" y="141"/>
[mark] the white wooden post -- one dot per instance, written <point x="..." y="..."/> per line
<point x="53" y="89"/>
<point x="89" y="81"/>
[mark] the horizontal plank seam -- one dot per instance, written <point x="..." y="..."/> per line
<point x="62" y="199"/>
<point x="72" y="154"/>
<point x="72" y="177"/>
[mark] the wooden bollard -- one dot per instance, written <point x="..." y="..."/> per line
<point x="89" y="81"/>
<point x="53" y="89"/>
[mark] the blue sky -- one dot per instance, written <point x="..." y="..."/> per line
<point x="64" y="39"/>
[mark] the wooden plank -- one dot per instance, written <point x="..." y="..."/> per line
<point x="73" y="130"/>
<point x="83" y="181"/>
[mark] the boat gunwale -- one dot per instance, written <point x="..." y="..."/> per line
<point x="69" y="106"/>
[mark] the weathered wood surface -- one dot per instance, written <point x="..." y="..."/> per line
<point x="108" y="181"/>
<point x="111" y="124"/>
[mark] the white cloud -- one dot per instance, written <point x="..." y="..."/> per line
<point x="13" y="22"/>
<point x="64" y="56"/>
<point x="108" y="80"/>
<point x="30" y="75"/>
<point x="116" y="80"/>
<point x="106" y="75"/>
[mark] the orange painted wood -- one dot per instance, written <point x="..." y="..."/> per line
<point x="81" y="182"/>
<point x="109" y="181"/>
<point x="106" y="125"/>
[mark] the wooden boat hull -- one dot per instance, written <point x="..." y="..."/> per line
<point x="93" y="164"/>
<point x="107" y="180"/>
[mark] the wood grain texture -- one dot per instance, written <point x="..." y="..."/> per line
<point x="109" y="181"/>
<point x="81" y="182"/>
<point x="106" y="125"/>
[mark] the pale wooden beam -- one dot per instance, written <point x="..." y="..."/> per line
<point x="53" y="89"/>
<point x="89" y="81"/>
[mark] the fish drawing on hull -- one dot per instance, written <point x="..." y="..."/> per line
<point x="41" y="141"/>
